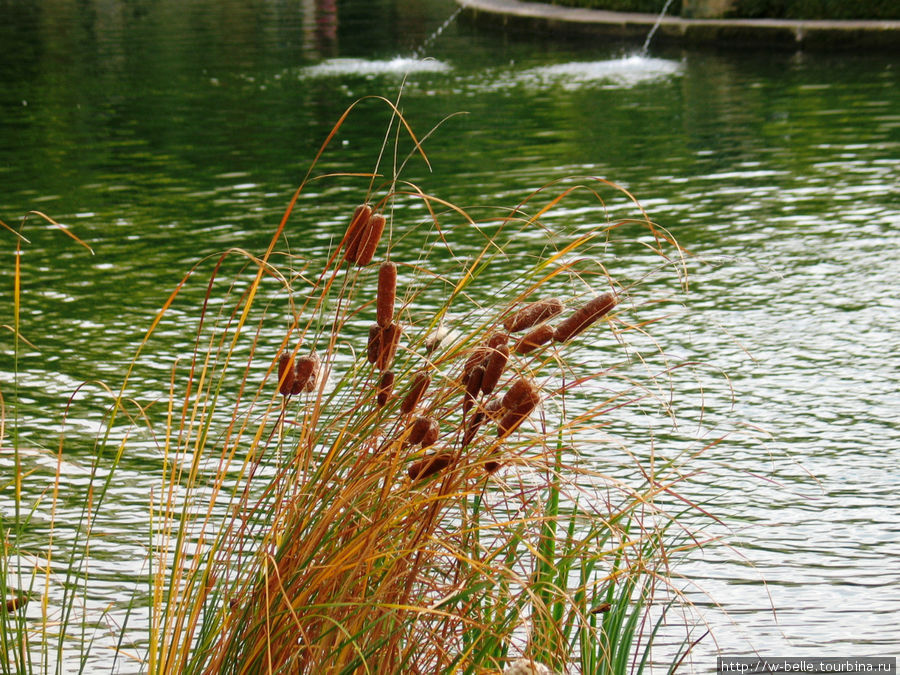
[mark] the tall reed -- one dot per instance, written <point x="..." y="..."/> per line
<point x="405" y="498"/>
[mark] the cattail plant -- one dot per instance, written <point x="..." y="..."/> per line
<point x="425" y="506"/>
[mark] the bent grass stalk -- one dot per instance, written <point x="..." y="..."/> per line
<point x="307" y="519"/>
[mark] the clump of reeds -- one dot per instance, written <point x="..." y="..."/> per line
<point x="381" y="501"/>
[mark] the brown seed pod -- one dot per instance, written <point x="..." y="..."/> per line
<point x="355" y="231"/>
<point x="534" y="339"/>
<point x="497" y="340"/>
<point x="494" y="408"/>
<point x="472" y="426"/>
<point x="15" y="602"/>
<point x="423" y="428"/>
<point x="285" y="373"/>
<point x="492" y="465"/>
<point x="522" y="396"/>
<point x="533" y="313"/>
<point x="493" y="368"/>
<point x="584" y="317"/>
<point x="390" y="338"/>
<point x="373" y="348"/>
<point x="385" y="387"/>
<point x="510" y="422"/>
<point x="370" y="239"/>
<point x="387" y="293"/>
<point x="477" y="358"/>
<point x="430" y="465"/>
<point x="473" y="386"/>
<point x="431" y="434"/>
<point x="306" y="373"/>
<point x="420" y="383"/>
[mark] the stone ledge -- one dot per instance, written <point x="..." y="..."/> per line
<point x="537" y="17"/>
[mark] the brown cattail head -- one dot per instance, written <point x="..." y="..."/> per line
<point x="533" y="313"/>
<point x="430" y="465"/>
<point x="431" y="434"/>
<point x="584" y="317"/>
<point x="374" y="346"/>
<point x="473" y="386"/>
<point x="285" y="373"/>
<point x="492" y="465"/>
<point x="510" y="422"/>
<point x="522" y="396"/>
<point x="17" y="601"/>
<point x="477" y="358"/>
<point x="355" y="231"/>
<point x="390" y="338"/>
<point x="423" y="430"/>
<point x="517" y="404"/>
<point x="370" y="239"/>
<point x="387" y="292"/>
<point x="385" y="387"/>
<point x="494" y="408"/>
<point x="534" y="339"/>
<point x="420" y="383"/>
<point x="306" y="373"/>
<point x="493" y="368"/>
<point x="472" y="426"/>
<point x="497" y="340"/>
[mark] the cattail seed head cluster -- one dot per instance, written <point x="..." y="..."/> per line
<point x="484" y="368"/>
<point x="363" y="235"/>
<point x="424" y="431"/>
<point x="358" y="223"/>
<point x="306" y="373"/>
<point x="482" y="372"/>
<point x="299" y="375"/>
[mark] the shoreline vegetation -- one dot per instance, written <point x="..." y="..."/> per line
<point x="377" y="462"/>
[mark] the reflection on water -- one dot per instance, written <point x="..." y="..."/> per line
<point x="162" y="135"/>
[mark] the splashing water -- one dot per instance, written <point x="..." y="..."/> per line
<point x="419" y="52"/>
<point x="653" y="30"/>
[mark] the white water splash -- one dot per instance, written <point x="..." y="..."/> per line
<point x="400" y="65"/>
<point x="625" y="72"/>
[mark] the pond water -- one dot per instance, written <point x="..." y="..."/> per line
<point x="161" y="132"/>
